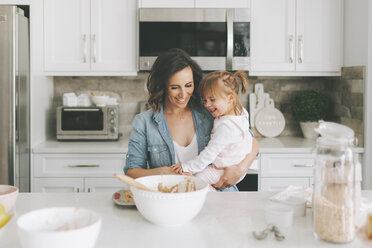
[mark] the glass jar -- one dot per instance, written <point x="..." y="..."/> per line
<point x="337" y="184"/>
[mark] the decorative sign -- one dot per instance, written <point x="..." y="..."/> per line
<point x="256" y="102"/>
<point x="269" y="121"/>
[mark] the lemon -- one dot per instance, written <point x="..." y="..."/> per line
<point x="4" y="217"/>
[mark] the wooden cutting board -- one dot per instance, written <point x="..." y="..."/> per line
<point x="269" y="121"/>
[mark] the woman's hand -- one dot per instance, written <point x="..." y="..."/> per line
<point x="167" y="170"/>
<point x="230" y="176"/>
<point x="233" y="173"/>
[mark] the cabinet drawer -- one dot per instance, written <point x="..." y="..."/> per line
<point x="57" y="185"/>
<point x="103" y="185"/>
<point x="78" y="165"/>
<point x="287" y="165"/>
<point x="279" y="184"/>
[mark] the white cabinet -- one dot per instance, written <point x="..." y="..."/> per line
<point x="222" y="3"/>
<point x="166" y="4"/>
<point x="77" y="185"/>
<point x="90" y="37"/>
<point x="296" y="37"/>
<point x="77" y="172"/>
<point x="280" y="170"/>
<point x="194" y="4"/>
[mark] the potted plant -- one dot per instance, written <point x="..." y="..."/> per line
<point x="308" y="108"/>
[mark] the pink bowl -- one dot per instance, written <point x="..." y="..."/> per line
<point x="8" y="196"/>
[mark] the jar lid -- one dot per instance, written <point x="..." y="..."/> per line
<point x="335" y="132"/>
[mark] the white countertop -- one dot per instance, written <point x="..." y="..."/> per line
<point x="54" y="146"/>
<point x="226" y="220"/>
<point x="267" y="145"/>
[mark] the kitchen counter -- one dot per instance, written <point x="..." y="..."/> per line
<point x="226" y="220"/>
<point x="289" y="144"/>
<point x="54" y="146"/>
<point x="286" y="144"/>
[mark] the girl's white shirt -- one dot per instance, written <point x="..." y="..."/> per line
<point x="230" y="142"/>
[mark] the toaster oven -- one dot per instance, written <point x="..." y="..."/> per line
<point x="87" y="123"/>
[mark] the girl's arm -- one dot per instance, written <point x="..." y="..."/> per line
<point x="216" y="144"/>
<point x="233" y="173"/>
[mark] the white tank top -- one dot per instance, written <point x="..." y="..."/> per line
<point x="186" y="153"/>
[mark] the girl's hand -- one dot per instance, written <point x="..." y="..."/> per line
<point x="177" y="168"/>
<point x="187" y="174"/>
<point x="230" y="176"/>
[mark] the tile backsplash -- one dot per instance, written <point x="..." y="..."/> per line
<point x="346" y="92"/>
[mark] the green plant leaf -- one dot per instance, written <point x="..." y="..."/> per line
<point x="311" y="105"/>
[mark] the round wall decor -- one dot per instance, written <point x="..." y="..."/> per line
<point x="269" y="121"/>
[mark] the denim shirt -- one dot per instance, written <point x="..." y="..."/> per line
<point x="150" y="143"/>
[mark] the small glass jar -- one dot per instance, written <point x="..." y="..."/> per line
<point x="336" y="189"/>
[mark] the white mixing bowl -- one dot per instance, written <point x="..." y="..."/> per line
<point x="169" y="209"/>
<point x="59" y="228"/>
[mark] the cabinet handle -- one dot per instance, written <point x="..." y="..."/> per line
<point x="83" y="165"/>
<point x="300" y="49"/>
<point x="302" y="165"/>
<point x="291" y="49"/>
<point x="94" y="48"/>
<point x="84" y="48"/>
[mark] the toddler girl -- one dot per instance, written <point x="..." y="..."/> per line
<point x="230" y="139"/>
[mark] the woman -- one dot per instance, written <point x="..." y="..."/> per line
<point x="177" y="127"/>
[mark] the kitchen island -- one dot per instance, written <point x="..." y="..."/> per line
<point x="226" y="220"/>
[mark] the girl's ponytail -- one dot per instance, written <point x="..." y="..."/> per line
<point x="243" y="78"/>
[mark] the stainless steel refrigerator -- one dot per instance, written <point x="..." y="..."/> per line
<point x="14" y="98"/>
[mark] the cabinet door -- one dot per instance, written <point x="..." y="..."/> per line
<point x="279" y="184"/>
<point x="166" y="3"/>
<point x="57" y="185"/>
<point x="222" y="4"/>
<point x="77" y="165"/>
<point x="66" y="35"/>
<point x="319" y="35"/>
<point x="113" y="35"/>
<point x="272" y="35"/>
<point x="103" y="185"/>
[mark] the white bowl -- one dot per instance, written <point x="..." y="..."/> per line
<point x="8" y="196"/>
<point x="58" y="228"/>
<point x="279" y="215"/>
<point x="100" y="101"/>
<point x="169" y="209"/>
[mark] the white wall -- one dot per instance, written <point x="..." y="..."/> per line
<point x="355" y="32"/>
<point x="41" y="86"/>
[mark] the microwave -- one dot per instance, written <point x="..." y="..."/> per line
<point x="218" y="39"/>
<point x="87" y="123"/>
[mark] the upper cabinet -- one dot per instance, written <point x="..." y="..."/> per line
<point x="90" y="37"/>
<point x="193" y="4"/>
<point x="296" y="37"/>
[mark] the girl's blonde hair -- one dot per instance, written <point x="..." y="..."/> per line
<point x="221" y="83"/>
